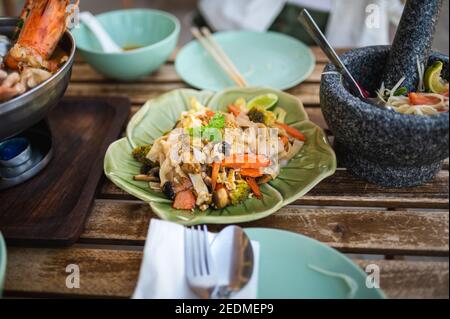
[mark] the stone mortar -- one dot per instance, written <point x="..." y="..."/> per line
<point x="383" y="147"/>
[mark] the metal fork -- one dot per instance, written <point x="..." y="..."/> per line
<point x="199" y="265"/>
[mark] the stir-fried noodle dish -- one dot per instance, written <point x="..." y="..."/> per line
<point x="214" y="159"/>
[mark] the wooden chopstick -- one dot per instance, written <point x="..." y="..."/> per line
<point x="207" y="33"/>
<point x="217" y="57"/>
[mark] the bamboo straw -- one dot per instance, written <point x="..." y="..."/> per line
<point x="217" y="57"/>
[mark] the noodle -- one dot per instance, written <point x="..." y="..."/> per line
<point x="401" y="104"/>
<point x="390" y="99"/>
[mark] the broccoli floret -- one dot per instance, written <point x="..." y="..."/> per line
<point x="259" y="115"/>
<point x="140" y="155"/>
<point x="256" y="115"/>
<point x="240" y="193"/>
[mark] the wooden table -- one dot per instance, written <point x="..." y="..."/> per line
<point x="343" y="212"/>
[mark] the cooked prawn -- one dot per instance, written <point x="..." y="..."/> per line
<point x="41" y="27"/>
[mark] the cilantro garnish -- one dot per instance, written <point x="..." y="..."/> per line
<point x="210" y="131"/>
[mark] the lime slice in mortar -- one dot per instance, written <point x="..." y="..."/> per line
<point x="433" y="80"/>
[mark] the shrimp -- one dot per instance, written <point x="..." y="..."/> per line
<point x="41" y="26"/>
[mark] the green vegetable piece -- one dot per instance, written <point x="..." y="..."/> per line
<point x="140" y="155"/>
<point x="241" y="193"/>
<point x="260" y="115"/>
<point x="217" y="122"/>
<point x="401" y="91"/>
<point x="256" y="115"/>
<point x="211" y="132"/>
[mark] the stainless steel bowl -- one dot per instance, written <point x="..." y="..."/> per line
<point x="26" y="110"/>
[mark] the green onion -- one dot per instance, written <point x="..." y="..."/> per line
<point x="401" y="91"/>
<point x="280" y="114"/>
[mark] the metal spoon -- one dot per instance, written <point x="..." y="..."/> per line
<point x="234" y="260"/>
<point x="315" y="32"/>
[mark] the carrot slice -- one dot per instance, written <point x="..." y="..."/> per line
<point x="254" y="187"/>
<point x="184" y="200"/>
<point x="292" y="131"/>
<point x="251" y="172"/>
<point x="246" y="161"/>
<point x="210" y="113"/>
<point x="215" y="174"/>
<point x="420" y="99"/>
<point x="284" y="139"/>
<point x="234" y="109"/>
<point x="445" y="94"/>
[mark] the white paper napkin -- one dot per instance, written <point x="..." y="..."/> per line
<point x="162" y="274"/>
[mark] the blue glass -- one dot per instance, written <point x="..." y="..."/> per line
<point x="12" y="148"/>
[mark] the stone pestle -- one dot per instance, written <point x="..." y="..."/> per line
<point x="413" y="40"/>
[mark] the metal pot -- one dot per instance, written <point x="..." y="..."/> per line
<point x="26" y="110"/>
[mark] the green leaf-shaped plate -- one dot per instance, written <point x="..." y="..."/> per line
<point x="314" y="163"/>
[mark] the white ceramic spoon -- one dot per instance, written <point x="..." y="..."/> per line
<point x="106" y="42"/>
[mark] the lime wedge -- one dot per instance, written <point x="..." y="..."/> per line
<point x="265" y="101"/>
<point x="433" y="80"/>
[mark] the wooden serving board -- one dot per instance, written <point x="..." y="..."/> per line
<point x="52" y="207"/>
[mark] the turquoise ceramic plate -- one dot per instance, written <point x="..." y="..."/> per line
<point x="265" y="59"/>
<point x="2" y="262"/>
<point x="288" y="272"/>
<point x="315" y="162"/>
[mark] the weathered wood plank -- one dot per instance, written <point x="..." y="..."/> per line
<point x="318" y="53"/>
<point x="103" y="273"/>
<point x="343" y="189"/>
<point x="139" y="93"/>
<point x="321" y="57"/>
<point x="309" y="94"/>
<point x="356" y="231"/>
<point x="396" y="278"/>
<point x="114" y="273"/>
<point x="446" y="162"/>
<point x="83" y="72"/>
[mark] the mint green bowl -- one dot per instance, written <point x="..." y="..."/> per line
<point x="155" y="33"/>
